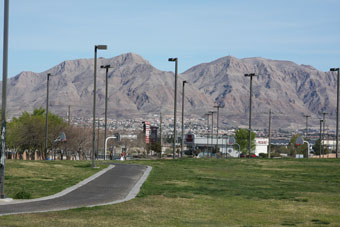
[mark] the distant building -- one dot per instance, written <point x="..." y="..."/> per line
<point x="261" y="146"/>
<point x="205" y="144"/>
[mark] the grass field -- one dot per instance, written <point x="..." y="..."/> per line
<point x="43" y="178"/>
<point x="210" y="192"/>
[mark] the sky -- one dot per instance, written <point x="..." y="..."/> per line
<point x="44" y="33"/>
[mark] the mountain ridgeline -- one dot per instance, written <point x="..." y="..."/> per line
<point x="136" y="88"/>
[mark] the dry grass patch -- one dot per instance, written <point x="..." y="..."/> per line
<point x="210" y="192"/>
<point x="44" y="178"/>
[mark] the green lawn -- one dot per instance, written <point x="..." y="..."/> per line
<point x="43" y="178"/>
<point x="210" y="192"/>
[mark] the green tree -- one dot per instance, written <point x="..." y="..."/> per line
<point x="242" y="138"/>
<point x="28" y="131"/>
<point x="156" y="147"/>
<point x="294" y="149"/>
<point x="316" y="148"/>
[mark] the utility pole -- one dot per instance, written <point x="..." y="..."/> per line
<point x="269" y="133"/>
<point x="182" y="141"/>
<point x="212" y="131"/>
<point x="320" y="138"/>
<point x="175" y="107"/>
<point x="337" y="109"/>
<point x="306" y="132"/>
<point x="323" y="133"/>
<point x="106" y="98"/>
<point x="46" y="120"/>
<point x="96" y="47"/>
<point x="4" y="100"/>
<point x="69" y="115"/>
<point x="97" y="140"/>
<point x="207" y="114"/>
<point x="160" y="131"/>
<point x="250" y="95"/>
<point x="218" y="119"/>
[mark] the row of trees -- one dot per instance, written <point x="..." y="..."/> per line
<point x="242" y="138"/>
<point x="27" y="133"/>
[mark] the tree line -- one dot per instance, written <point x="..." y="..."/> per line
<point x="27" y="133"/>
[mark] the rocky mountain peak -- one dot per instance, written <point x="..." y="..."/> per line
<point x="136" y="88"/>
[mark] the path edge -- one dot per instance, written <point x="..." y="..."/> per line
<point x="133" y="192"/>
<point x="63" y="192"/>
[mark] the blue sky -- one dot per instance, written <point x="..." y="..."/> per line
<point x="44" y="33"/>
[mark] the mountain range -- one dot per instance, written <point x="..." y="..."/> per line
<point x="136" y="88"/>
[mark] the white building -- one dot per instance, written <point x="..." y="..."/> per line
<point x="205" y="144"/>
<point x="261" y="145"/>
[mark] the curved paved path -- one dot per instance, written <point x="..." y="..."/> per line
<point x="118" y="184"/>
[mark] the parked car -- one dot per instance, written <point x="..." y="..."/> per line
<point x="247" y="156"/>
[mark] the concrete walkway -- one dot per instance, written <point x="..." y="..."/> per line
<point x="115" y="184"/>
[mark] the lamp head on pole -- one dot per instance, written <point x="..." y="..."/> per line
<point x="172" y="59"/>
<point x="105" y="66"/>
<point x="218" y="106"/>
<point x="184" y="82"/>
<point x="101" y="47"/>
<point x="49" y="74"/>
<point x="250" y="74"/>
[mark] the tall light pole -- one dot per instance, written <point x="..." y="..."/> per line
<point x="320" y="137"/>
<point x="182" y="142"/>
<point x="306" y="134"/>
<point x="4" y="100"/>
<point x="175" y="107"/>
<point x="106" y="94"/>
<point x="160" y="132"/>
<point x="269" y="133"/>
<point x="96" y="47"/>
<point x="46" y="122"/>
<point x="250" y="90"/>
<point x="218" y="117"/>
<point x="337" y="110"/>
<point x="212" y="130"/>
<point x="207" y="114"/>
<point x="323" y="132"/>
<point x="97" y="150"/>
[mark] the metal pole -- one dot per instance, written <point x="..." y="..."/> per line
<point x="160" y="132"/>
<point x="4" y="99"/>
<point x="94" y="106"/>
<point x="101" y="47"/>
<point x="207" y="131"/>
<point x="323" y="134"/>
<point x="251" y="87"/>
<point x="269" y="133"/>
<point x="106" y="85"/>
<point x="175" y="111"/>
<point x="320" y="138"/>
<point x="218" y="117"/>
<point x="337" y="110"/>
<point x="337" y="115"/>
<point x="97" y="140"/>
<point x="212" y="131"/>
<point x="175" y="108"/>
<point x="306" y="133"/>
<point x="69" y="115"/>
<point x="218" y="113"/>
<point x="46" y="122"/>
<point x="182" y="142"/>
<point x="251" y="94"/>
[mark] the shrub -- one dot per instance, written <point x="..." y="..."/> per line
<point x="22" y="195"/>
<point x="263" y="155"/>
